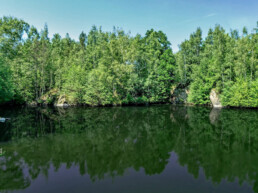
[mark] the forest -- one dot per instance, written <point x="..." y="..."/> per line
<point x="116" y="68"/>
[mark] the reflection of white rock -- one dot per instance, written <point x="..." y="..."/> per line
<point x="62" y="105"/>
<point x="33" y="104"/>
<point x="214" y="115"/>
<point x="214" y="97"/>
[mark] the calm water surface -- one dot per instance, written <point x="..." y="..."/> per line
<point x="157" y="149"/>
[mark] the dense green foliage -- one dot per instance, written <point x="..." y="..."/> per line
<point x="226" y="62"/>
<point x="105" y="68"/>
<point x="101" y="68"/>
<point x="6" y="88"/>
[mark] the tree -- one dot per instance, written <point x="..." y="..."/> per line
<point x="6" y="86"/>
<point x="115" y="68"/>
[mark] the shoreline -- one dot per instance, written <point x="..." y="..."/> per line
<point x="123" y="105"/>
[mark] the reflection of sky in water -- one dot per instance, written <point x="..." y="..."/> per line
<point x="174" y="178"/>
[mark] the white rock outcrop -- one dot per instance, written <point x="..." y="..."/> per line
<point x="215" y="100"/>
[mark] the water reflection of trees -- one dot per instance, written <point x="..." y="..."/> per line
<point x="107" y="141"/>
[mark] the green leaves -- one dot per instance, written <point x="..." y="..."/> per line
<point x="225" y="62"/>
<point x="241" y="93"/>
<point x="6" y="86"/>
<point x="104" y="68"/>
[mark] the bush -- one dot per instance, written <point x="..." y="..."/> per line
<point x="141" y="100"/>
<point x="241" y="94"/>
<point x="199" y="92"/>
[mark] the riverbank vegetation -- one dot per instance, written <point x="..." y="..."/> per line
<point x="226" y="62"/>
<point x="114" y="68"/>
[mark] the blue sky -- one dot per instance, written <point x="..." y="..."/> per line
<point x="177" y="18"/>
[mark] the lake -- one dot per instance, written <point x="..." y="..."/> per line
<point x="159" y="148"/>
